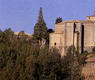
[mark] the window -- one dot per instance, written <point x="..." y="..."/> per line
<point x="55" y="43"/>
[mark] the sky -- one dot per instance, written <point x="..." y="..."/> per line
<point x="23" y="14"/>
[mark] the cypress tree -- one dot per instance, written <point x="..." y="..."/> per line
<point x="40" y="28"/>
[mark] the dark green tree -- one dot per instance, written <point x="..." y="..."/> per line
<point x="71" y="65"/>
<point x="47" y="65"/>
<point x="21" y="60"/>
<point x="50" y="31"/>
<point x="40" y="28"/>
<point x="58" y="20"/>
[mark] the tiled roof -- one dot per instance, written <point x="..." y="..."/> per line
<point x="79" y="21"/>
<point x="60" y="23"/>
<point x="91" y="16"/>
<point x="72" y="21"/>
<point x="76" y="21"/>
<point x="87" y="21"/>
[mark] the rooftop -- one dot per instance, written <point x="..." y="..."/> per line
<point x="77" y="21"/>
<point x="91" y="16"/>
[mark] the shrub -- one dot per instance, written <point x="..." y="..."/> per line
<point x="93" y="50"/>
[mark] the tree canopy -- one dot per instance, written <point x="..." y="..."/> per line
<point x="40" y="28"/>
<point x="58" y="20"/>
<point x="20" y="59"/>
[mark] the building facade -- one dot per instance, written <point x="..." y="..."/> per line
<point x="80" y="33"/>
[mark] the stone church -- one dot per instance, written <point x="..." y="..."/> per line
<point x="79" y="33"/>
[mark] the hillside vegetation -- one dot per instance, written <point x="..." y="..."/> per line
<point x="23" y="59"/>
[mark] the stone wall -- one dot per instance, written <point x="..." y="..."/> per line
<point x="63" y="35"/>
<point x="68" y="34"/>
<point x="57" y="41"/>
<point x="88" y="35"/>
<point x="92" y="18"/>
<point x="59" y="28"/>
<point x="88" y="70"/>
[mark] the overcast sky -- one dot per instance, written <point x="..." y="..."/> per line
<point x="23" y="14"/>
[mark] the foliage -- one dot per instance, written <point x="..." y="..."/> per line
<point x="93" y="50"/>
<point x="20" y="60"/>
<point x="40" y="28"/>
<point x="58" y="20"/>
<point x="50" y="31"/>
<point x="71" y="65"/>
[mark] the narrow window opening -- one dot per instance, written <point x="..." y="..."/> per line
<point x="55" y="44"/>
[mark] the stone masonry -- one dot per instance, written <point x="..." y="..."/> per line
<point x="80" y="33"/>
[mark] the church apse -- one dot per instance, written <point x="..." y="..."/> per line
<point x="79" y="33"/>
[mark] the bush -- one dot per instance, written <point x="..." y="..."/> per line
<point x="93" y="50"/>
<point x="86" y="51"/>
<point x="21" y="60"/>
<point x="71" y="65"/>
